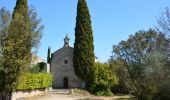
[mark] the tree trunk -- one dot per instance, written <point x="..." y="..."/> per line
<point x="5" y="95"/>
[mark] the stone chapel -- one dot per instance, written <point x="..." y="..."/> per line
<point x="62" y="67"/>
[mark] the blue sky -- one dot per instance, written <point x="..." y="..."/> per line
<point x="112" y="21"/>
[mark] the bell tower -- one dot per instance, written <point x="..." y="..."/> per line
<point x="66" y="41"/>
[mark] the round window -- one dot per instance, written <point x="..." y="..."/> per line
<point x="65" y="61"/>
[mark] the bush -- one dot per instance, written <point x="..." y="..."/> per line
<point x="31" y="81"/>
<point x="38" y="68"/>
<point x="118" y="70"/>
<point x="163" y="93"/>
<point x="42" y="67"/>
<point x="104" y="93"/>
<point x="103" y="80"/>
<point x="81" y="92"/>
<point x="33" y="69"/>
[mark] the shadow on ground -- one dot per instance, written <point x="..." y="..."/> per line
<point x="109" y="99"/>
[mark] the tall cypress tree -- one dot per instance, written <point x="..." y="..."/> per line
<point x="49" y="55"/>
<point x="83" y="56"/>
<point x="16" y="56"/>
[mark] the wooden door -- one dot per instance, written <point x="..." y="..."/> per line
<point x="65" y="82"/>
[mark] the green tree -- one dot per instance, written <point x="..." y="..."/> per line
<point x="117" y="69"/>
<point x="36" y="28"/>
<point x="83" y="56"/>
<point x="5" y="18"/>
<point x="17" y="50"/>
<point x="36" y="32"/>
<point x="104" y="80"/>
<point x="164" y="21"/>
<point x="49" y="55"/>
<point x="143" y="64"/>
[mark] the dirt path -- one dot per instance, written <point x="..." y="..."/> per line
<point x="73" y="97"/>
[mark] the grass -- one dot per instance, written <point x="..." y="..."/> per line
<point x="84" y="93"/>
<point x="81" y="92"/>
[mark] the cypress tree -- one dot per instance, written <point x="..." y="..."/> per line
<point x="83" y="56"/>
<point x="49" y="55"/>
<point x="17" y="50"/>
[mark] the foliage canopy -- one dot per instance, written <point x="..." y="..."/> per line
<point x="144" y="62"/>
<point x="83" y="56"/>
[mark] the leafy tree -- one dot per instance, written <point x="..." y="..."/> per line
<point x="117" y="69"/>
<point x="164" y="21"/>
<point x="143" y="61"/>
<point x="36" y="27"/>
<point x="38" y="68"/>
<point x="104" y="79"/>
<point x="158" y="77"/>
<point x="164" y="24"/>
<point x="83" y="56"/>
<point x="49" y="55"/>
<point x="17" y="50"/>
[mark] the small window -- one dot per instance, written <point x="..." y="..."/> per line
<point x="65" y="61"/>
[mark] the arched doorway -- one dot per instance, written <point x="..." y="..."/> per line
<point x="65" y="82"/>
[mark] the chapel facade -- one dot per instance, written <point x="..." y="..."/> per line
<point x="62" y="67"/>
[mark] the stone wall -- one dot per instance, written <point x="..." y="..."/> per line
<point x="22" y="94"/>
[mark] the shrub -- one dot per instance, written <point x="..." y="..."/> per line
<point x="38" y="68"/>
<point x="29" y="81"/>
<point x="163" y="92"/>
<point x="33" y="69"/>
<point x="81" y="92"/>
<point x="42" y="67"/>
<point x="104" y="93"/>
<point x="103" y="80"/>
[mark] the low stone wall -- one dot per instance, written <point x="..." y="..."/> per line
<point x="20" y="95"/>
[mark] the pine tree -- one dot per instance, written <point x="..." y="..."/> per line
<point x="17" y="50"/>
<point x="49" y="55"/>
<point x="83" y="56"/>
